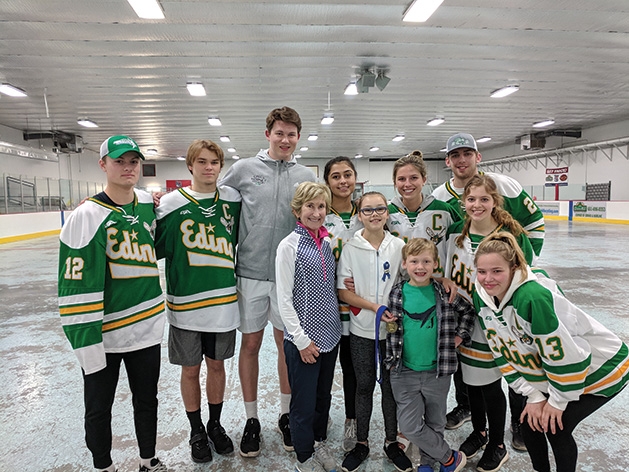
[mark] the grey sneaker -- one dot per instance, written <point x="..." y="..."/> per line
<point x="457" y="417"/>
<point x="311" y="465"/>
<point x="517" y="442"/>
<point x="323" y="456"/>
<point x="349" y="435"/>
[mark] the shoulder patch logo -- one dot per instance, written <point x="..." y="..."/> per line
<point x="258" y="179"/>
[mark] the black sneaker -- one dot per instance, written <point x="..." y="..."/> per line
<point x="199" y="446"/>
<point x="283" y="427"/>
<point x="222" y="443"/>
<point x="457" y="417"/>
<point x="492" y="459"/>
<point x="474" y="443"/>
<point x="397" y="456"/>
<point x="250" y="442"/>
<point x="517" y="442"/>
<point x="355" y="457"/>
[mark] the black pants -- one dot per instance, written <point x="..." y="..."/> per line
<point x="460" y="389"/>
<point x="349" y="378"/>
<point x="489" y="400"/>
<point x="563" y="444"/>
<point x="99" y="392"/>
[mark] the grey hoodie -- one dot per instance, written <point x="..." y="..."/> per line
<point x="267" y="187"/>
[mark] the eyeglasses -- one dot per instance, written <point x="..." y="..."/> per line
<point x="370" y="211"/>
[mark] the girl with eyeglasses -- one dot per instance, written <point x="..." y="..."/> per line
<point x="565" y="362"/>
<point x="373" y="259"/>
<point x="342" y="223"/>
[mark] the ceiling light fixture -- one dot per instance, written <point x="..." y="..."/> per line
<point x="374" y="148"/>
<point x="151" y="152"/>
<point x="196" y="89"/>
<point x="87" y="123"/>
<point x="214" y="121"/>
<point x="328" y="119"/>
<point x="382" y="80"/>
<point x="398" y="137"/>
<point x="181" y="158"/>
<point x="303" y="148"/>
<point x="443" y="149"/>
<point x="358" y="156"/>
<point x="313" y="137"/>
<point x="225" y="139"/>
<point x="484" y="139"/>
<point x="147" y="9"/>
<point x="231" y="149"/>
<point x="297" y="156"/>
<point x="504" y="91"/>
<point x="235" y="157"/>
<point x="12" y="90"/>
<point x="543" y="124"/>
<point x="420" y="10"/>
<point x="351" y="89"/>
<point x="436" y="121"/>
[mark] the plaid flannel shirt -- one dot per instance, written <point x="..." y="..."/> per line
<point x="453" y="319"/>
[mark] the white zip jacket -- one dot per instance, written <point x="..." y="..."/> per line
<point x="375" y="272"/>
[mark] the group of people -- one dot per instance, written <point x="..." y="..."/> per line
<point x="406" y="293"/>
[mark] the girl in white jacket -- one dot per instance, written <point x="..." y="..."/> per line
<point x="565" y="362"/>
<point x="373" y="259"/>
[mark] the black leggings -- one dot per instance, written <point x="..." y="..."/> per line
<point x="349" y="378"/>
<point x="563" y="444"/>
<point x="489" y="400"/>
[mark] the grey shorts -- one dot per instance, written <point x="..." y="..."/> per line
<point x="187" y="348"/>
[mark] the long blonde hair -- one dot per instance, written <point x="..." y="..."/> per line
<point x="505" y="245"/>
<point x="498" y="213"/>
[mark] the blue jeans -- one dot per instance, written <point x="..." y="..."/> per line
<point x="311" y="395"/>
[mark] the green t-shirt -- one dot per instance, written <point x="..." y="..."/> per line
<point x="420" y="327"/>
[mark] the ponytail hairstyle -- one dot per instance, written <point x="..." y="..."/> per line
<point x="498" y="213"/>
<point x="505" y="245"/>
<point x="415" y="159"/>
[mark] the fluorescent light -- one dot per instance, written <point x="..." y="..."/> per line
<point x="147" y="9"/>
<point x="235" y="157"/>
<point x="399" y="137"/>
<point x="504" y="91"/>
<point x="214" y="121"/>
<point x="351" y="89"/>
<point x="225" y="139"/>
<point x="358" y="156"/>
<point x="374" y="148"/>
<point x="543" y="124"/>
<point x="231" y="149"/>
<point x="420" y="10"/>
<point x="303" y="148"/>
<point x="297" y="156"/>
<point x="196" y="89"/>
<point x="443" y="149"/>
<point x="328" y="119"/>
<point x="181" y="158"/>
<point x="313" y="137"/>
<point x="484" y="139"/>
<point x="12" y="91"/>
<point x="436" y="121"/>
<point x="151" y="152"/>
<point x="87" y="123"/>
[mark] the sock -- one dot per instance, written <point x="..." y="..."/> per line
<point x="450" y="461"/>
<point x="215" y="411"/>
<point x="284" y="403"/>
<point x="196" y="423"/>
<point x="251" y="409"/>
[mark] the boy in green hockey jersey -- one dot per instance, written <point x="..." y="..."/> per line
<point x="565" y="362"/>
<point x="462" y="157"/>
<point x="111" y="302"/>
<point x="197" y="234"/>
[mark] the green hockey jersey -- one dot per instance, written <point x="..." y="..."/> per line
<point x="110" y="298"/>
<point x="517" y="202"/>
<point x="197" y="234"/>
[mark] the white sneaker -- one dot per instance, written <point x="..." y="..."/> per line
<point x="349" y="435"/>
<point x="311" y="465"/>
<point x="323" y="456"/>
